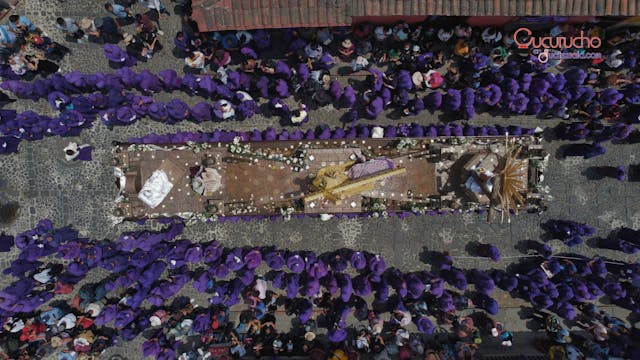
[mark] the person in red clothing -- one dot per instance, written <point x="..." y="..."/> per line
<point x="32" y="331"/>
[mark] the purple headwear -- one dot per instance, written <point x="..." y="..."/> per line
<point x="114" y="53"/>
<point x="433" y="101"/>
<point x="610" y="96"/>
<point x="375" y="108"/>
<point x="348" y="97"/>
<point x="445" y="302"/>
<point x="293" y="284"/>
<point x="491" y="251"/>
<point x="564" y="310"/>
<point x="311" y="287"/>
<point x="318" y="269"/>
<point x="295" y="263"/>
<point x="263" y="86"/>
<point x="283" y="70"/>
<point x="275" y="259"/>
<point x="510" y="86"/>
<point x="337" y="335"/>
<point x="270" y="134"/>
<point x="415" y="286"/>
<point x="201" y="284"/>
<point x="193" y="253"/>
<point x="404" y="80"/>
<point x="361" y="285"/>
<point x="437" y="287"/>
<point x="126" y="115"/>
<point x="326" y="61"/>
<point x="234" y="259"/>
<point x="158" y="111"/>
<point x="282" y="89"/>
<point x="358" y="260"/>
<point x="106" y="315"/>
<point x="377" y="265"/>
<point x="452" y="100"/>
<point x="177" y="109"/>
<point x="246" y="277"/>
<point x="128" y="77"/>
<point x="205" y="84"/>
<point x="485" y="302"/>
<point x="575" y="76"/>
<point x="201" y="323"/>
<point x="124" y="318"/>
<point x="253" y="259"/>
<point x="170" y="79"/>
<point x="262" y="39"/>
<point x="335" y="88"/>
<point x="201" y="112"/>
<point x="276" y="277"/>
<point x="233" y="80"/>
<point x="248" y="52"/>
<point x="424" y="325"/>
<point x="149" y="82"/>
<point x="456" y="278"/>
<point x="151" y="347"/>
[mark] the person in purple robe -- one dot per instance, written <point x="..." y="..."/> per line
<point x="158" y="112"/>
<point x="177" y="110"/>
<point x="170" y="79"/>
<point x="201" y="112"/>
<point x="8" y="144"/>
<point x="490" y="251"/>
<point x="610" y="96"/>
<point x="375" y="107"/>
<point x="587" y="151"/>
<point x="253" y="259"/>
<point x="281" y="88"/>
<point x="149" y="82"/>
<point x="348" y="98"/>
<point x="452" y="100"/>
<point x="571" y="131"/>
<point x="234" y="259"/>
<point x="292" y="284"/>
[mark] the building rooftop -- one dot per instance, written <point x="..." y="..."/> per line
<point x="258" y="14"/>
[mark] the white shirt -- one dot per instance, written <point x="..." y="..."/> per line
<point x="299" y="119"/>
<point x="73" y="147"/>
<point x="95" y="309"/>
<point x="197" y="62"/>
<point x="43" y="276"/>
<point x="152" y="4"/>
<point x="69" y="321"/>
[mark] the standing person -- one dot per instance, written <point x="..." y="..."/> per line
<point x="75" y="152"/>
<point x="70" y="28"/>
<point x="123" y="14"/>
<point x="156" y="9"/>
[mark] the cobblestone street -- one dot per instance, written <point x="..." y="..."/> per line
<point x="82" y="193"/>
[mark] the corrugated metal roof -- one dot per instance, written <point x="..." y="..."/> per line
<point x="257" y="14"/>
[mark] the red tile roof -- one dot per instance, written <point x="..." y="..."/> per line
<point x="256" y="14"/>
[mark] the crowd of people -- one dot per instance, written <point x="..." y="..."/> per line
<point x="324" y="293"/>
<point x="455" y="69"/>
